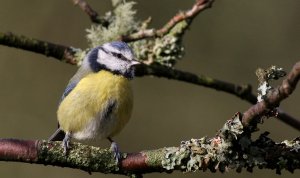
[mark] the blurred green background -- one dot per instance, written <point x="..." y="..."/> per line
<point x="228" y="42"/>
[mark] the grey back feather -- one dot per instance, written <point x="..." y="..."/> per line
<point x="82" y="72"/>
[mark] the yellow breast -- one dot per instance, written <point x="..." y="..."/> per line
<point x="91" y="97"/>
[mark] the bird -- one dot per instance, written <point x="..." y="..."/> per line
<point x="98" y="100"/>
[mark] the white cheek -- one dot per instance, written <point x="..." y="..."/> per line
<point x="102" y="55"/>
<point x="111" y="62"/>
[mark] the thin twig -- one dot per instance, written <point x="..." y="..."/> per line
<point x="241" y="91"/>
<point x="288" y="119"/>
<point x="188" y="15"/>
<point x="85" y="7"/>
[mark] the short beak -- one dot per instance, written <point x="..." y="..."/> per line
<point x="134" y="62"/>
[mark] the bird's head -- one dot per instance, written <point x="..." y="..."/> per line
<point x="116" y="57"/>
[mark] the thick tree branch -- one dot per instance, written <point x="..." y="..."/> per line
<point x="266" y="154"/>
<point x="189" y="15"/>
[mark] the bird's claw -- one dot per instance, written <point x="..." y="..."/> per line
<point x="66" y="143"/>
<point x="115" y="149"/>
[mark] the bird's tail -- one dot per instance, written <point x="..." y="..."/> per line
<point x="58" y="135"/>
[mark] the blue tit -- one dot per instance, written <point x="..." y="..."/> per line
<point x="98" y="100"/>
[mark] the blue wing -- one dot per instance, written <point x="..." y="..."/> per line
<point x="82" y="72"/>
<point x="60" y="134"/>
<point x="68" y="90"/>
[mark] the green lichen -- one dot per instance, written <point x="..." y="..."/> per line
<point x="232" y="148"/>
<point x="143" y="50"/>
<point x="165" y="49"/>
<point x="79" y="55"/>
<point x="174" y="157"/>
<point x="122" y="22"/>
<point x="80" y="156"/>
<point x="153" y="157"/>
<point x="233" y="127"/>
<point x="264" y="77"/>
<point x="215" y="153"/>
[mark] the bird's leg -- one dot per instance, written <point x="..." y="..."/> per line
<point x="115" y="149"/>
<point x="66" y="142"/>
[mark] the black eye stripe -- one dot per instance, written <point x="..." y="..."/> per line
<point x="119" y="55"/>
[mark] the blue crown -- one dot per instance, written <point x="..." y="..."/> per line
<point x="120" y="45"/>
